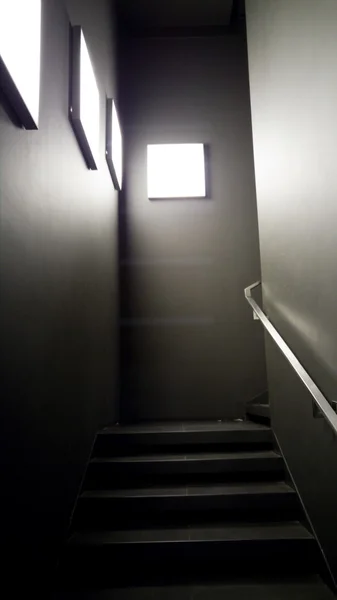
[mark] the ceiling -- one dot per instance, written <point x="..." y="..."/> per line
<point x="174" y="14"/>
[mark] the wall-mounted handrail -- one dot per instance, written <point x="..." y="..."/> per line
<point x="321" y="402"/>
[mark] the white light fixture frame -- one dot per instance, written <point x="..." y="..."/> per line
<point x="84" y="110"/>
<point x="176" y="171"/>
<point x="20" y="59"/>
<point x="114" y="144"/>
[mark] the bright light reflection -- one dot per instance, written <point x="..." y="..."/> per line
<point x="176" y="171"/>
<point x="89" y="100"/>
<point x="117" y="146"/>
<point x="20" y="48"/>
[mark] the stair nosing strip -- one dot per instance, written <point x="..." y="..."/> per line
<point x="241" y="491"/>
<point x="247" y="536"/>
<point x="158" y="458"/>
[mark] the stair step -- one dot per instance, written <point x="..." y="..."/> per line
<point x="305" y="588"/>
<point x="152" y="554"/>
<point x="258" y="410"/>
<point x="111" y="439"/>
<point x="184" y="503"/>
<point x="159" y="504"/>
<point x="107" y="472"/>
<point x="289" y="531"/>
<point x="229" y="490"/>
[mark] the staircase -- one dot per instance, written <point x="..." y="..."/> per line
<point x="189" y="510"/>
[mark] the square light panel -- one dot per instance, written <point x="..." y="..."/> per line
<point x="20" y="58"/>
<point x="114" y="145"/>
<point x="176" y="171"/>
<point x="84" y="101"/>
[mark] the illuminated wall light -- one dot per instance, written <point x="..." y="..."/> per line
<point x="84" y="102"/>
<point x="20" y="58"/>
<point x="176" y="171"/>
<point x="114" y="145"/>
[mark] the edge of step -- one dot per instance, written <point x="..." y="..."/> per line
<point x="236" y="532"/>
<point x="202" y="490"/>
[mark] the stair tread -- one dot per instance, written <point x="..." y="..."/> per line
<point x="292" y="530"/>
<point x="187" y="456"/>
<point x="287" y="588"/>
<point x="187" y="427"/>
<point x="227" y="489"/>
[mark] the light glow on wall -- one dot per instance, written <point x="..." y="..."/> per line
<point x="85" y="100"/>
<point x="176" y="171"/>
<point x="114" y="145"/>
<point x="20" y="53"/>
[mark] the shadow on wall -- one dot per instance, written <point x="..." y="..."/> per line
<point x="59" y="303"/>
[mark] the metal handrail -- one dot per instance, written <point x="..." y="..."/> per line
<point x="319" y="399"/>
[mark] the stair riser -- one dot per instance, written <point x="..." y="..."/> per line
<point x="130" y="563"/>
<point x="159" y="519"/>
<point x="114" y="511"/>
<point x="110" y="444"/>
<point x="95" y="481"/>
<point x="108" y="451"/>
<point x="257" y="410"/>
<point x="137" y="520"/>
<point x="259" y="420"/>
<point x="109" y="475"/>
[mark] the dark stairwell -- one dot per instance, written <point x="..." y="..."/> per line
<point x="176" y="507"/>
<point x="114" y="307"/>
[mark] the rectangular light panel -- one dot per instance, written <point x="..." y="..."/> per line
<point x="114" y="145"/>
<point x="176" y="171"/>
<point x="20" y="58"/>
<point x="84" y="108"/>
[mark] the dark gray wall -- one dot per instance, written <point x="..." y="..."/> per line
<point x="58" y="299"/>
<point x="146" y="14"/>
<point x="190" y="348"/>
<point x="293" y="79"/>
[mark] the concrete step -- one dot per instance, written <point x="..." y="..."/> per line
<point x="121" y="439"/>
<point x="109" y="472"/>
<point x="241" y="500"/>
<point x="285" y="588"/>
<point x="151" y="554"/>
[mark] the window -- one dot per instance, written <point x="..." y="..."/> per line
<point x="20" y="47"/>
<point x="176" y="171"/>
<point x="85" y="101"/>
